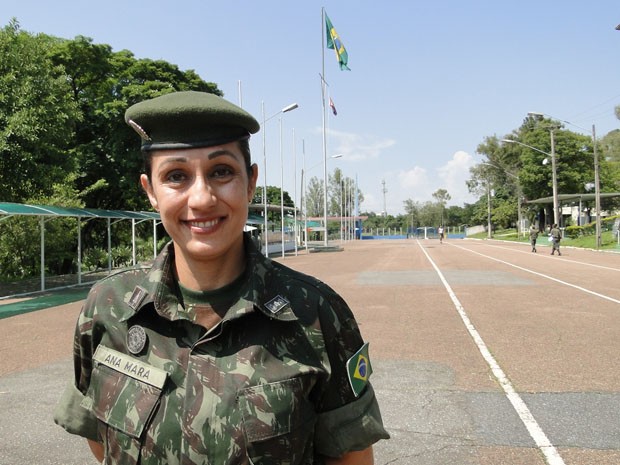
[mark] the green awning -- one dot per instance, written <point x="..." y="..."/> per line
<point x="8" y="208"/>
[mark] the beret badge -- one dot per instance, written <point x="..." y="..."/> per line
<point x="136" y="127"/>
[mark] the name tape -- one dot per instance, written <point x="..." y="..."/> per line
<point x="130" y="366"/>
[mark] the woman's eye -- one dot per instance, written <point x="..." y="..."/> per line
<point x="176" y="176"/>
<point x="221" y="172"/>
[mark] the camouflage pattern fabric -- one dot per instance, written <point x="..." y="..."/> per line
<point x="267" y="386"/>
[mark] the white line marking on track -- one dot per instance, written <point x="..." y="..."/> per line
<point x="552" y="457"/>
<point x="583" y="289"/>
<point x="548" y="256"/>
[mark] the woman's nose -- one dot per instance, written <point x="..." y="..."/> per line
<point x="201" y="194"/>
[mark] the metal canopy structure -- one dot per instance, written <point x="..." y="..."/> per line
<point x="573" y="197"/>
<point x="11" y="209"/>
<point x="48" y="212"/>
<point x="567" y="198"/>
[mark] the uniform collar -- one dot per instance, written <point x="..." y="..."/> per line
<point x="258" y="292"/>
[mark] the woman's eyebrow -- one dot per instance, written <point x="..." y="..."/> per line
<point x="178" y="159"/>
<point x="221" y="153"/>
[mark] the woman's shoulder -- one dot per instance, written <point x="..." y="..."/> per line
<point x="296" y="280"/>
<point x="122" y="278"/>
<point x="312" y="291"/>
<point x="114" y="288"/>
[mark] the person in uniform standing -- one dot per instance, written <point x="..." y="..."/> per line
<point x="215" y="354"/>
<point x="533" y="236"/>
<point x="556" y="236"/>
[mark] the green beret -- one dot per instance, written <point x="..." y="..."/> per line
<point x="189" y="119"/>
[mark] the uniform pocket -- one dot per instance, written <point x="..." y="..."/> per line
<point x="123" y="394"/>
<point x="278" y="421"/>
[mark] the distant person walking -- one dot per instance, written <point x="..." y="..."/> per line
<point x="533" y="237"/>
<point x="556" y="235"/>
<point x="440" y="232"/>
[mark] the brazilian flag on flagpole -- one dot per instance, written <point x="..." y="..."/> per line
<point x="334" y="42"/>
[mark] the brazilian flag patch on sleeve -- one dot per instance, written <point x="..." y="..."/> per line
<point x="359" y="370"/>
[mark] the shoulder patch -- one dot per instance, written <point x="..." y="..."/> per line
<point x="359" y="370"/>
<point x="137" y="297"/>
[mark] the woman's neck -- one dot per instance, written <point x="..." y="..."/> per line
<point x="212" y="273"/>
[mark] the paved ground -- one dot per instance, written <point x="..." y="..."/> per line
<point x="483" y="352"/>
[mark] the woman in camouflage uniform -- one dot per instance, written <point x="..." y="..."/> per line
<point x="215" y="354"/>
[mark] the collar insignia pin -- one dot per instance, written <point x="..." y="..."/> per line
<point x="277" y="304"/>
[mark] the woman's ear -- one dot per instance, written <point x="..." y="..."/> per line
<point x="148" y="188"/>
<point x="252" y="182"/>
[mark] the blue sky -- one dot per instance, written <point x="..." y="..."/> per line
<point x="428" y="80"/>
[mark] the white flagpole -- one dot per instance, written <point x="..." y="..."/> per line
<point x="295" y="204"/>
<point x="323" y="36"/>
<point x="357" y="206"/>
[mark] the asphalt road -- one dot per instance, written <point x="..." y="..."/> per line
<point x="483" y="353"/>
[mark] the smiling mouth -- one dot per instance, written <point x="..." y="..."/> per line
<point x="203" y="224"/>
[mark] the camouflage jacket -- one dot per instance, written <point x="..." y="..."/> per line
<point x="267" y="386"/>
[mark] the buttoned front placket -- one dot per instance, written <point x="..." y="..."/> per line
<point x="210" y="396"/>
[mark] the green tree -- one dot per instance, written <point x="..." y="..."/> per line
<point x="37" y="117"/>
<point x="314" y="197"/>
<point x="104" y="84"/>
<point x="517" y="172"/>
<point x="341" y="192"/>
<point x="459" y="216"/>
<point x="610" y="146"/>
<point x="442" y="197"/>
<point x="412" y="213"/>
<point x="273" y="198"/>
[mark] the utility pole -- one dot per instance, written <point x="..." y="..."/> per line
<point x="384" y="190"/>
<point x="597" y="190"/>
<point x="554" y="182"/>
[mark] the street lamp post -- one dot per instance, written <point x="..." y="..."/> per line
<point x="489" y="226"/>
<point x="303" y="202"/>
<point x="339" y="155"/>
<point x="553" y="171"/>
<point x="554" y="180"/>
<point x="597" y="183"/>
<point x="295" y="204"/>
<point x="281" y="189"/>
<point x="341" y="208"/>
<point x="597" y="190"/>
<point x="304" y="176"/>
<point x="287" y="108"/>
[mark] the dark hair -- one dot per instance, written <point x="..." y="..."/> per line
<point x="243" y="144"/>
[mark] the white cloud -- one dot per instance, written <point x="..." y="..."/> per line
<point x="415" y="179"/>
<point x="419" y="184"/>
<point x="453" y="176"/>
<point x="357" y="147"/>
